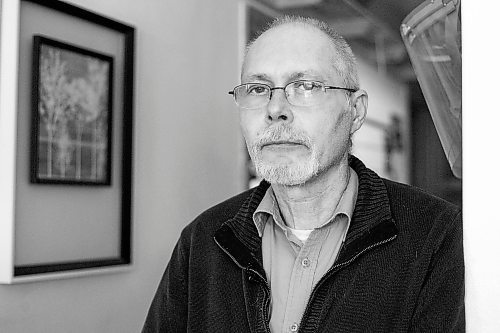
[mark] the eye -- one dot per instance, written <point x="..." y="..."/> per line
<point x="307" y="85"/>
<point x="257" y="89"/>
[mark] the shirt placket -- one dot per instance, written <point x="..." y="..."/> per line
<point x="301" y="281"/>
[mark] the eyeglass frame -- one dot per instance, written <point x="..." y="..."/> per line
<point x="271" y="89"/>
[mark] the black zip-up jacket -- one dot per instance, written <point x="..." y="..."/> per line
<point x="400" y="269"/>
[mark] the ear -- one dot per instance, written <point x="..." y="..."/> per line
<point x="359" y="106"/>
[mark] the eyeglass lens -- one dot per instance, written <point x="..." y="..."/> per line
<point x="298" y="93"/>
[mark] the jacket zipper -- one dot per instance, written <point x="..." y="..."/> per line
<point x="268" y="300"/>
<point x="263" y="280"/>
<point x="334" y="267"/>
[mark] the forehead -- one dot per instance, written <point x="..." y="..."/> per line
<point x="288" y="51"/>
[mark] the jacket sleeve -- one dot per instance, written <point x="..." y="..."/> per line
<point x="168" y="310"/>
<point x="441" y="305"/>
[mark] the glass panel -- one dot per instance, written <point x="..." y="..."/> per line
<point x="432" y="36"/>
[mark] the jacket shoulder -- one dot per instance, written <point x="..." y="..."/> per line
<point x="403" y="195"/>
<point x="420" y="215"/>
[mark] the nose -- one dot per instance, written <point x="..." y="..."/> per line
<point x="278" y="108"/>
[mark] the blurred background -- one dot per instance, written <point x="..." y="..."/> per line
<point x="188" y="150"/>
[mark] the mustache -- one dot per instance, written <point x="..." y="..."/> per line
<point x="282" y="134"/>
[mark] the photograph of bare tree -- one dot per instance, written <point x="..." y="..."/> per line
<point x="72" y="114"/>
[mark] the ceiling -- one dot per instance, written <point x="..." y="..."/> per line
<point x="371" y="27"/>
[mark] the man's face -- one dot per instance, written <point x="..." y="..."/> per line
<point x="290" y="145"/>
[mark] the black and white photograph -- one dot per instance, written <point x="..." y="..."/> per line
<point x="244" y="166"/>
<point x="71" y="114"/>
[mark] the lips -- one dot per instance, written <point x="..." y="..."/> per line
<point x="281" y="144"/>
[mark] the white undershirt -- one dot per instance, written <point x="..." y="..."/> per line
<point x="301" y="234"/>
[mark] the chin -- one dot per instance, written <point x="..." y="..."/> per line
<point x="287" y="175"/>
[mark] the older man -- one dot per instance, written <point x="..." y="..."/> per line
<point x="323" y="244"/>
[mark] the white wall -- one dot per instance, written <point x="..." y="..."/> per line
<point x="481" y="159"/>
<point x="187" y="157"/>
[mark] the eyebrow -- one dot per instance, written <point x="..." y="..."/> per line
<point x="299" y="75"/>
<point x="259" y="77"/>
<point x="306" y="74"/>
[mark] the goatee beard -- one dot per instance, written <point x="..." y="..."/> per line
<point x="279" y="173"/>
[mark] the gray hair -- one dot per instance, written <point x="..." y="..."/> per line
<point x="344" y="63"/>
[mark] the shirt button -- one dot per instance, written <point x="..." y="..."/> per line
<point x="306" y="263"/>
<point x="294" y="327"/>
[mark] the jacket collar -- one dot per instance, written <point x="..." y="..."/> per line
<point x="371" y="223"/>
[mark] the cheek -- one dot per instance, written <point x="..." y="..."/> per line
<point x="331" y="136"/>
<point x="249" y="126"/>
<point x="341" y="126"/>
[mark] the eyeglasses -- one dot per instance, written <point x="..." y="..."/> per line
<point x="298" y="93"/>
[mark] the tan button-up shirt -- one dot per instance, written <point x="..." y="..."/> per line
<point x="294" y="267"/>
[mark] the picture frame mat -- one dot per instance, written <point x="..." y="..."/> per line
<point x="86" y="226"/>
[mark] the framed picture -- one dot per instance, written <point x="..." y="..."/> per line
<point x="66" y="125"/>
<point x="72" y="114"/>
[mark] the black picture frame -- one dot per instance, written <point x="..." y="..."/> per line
<point x="71" y="143"/>
<point x="124" y="180"/>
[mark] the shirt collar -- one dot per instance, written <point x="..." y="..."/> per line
<point x="269" y="205"/>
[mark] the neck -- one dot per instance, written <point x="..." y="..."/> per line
<point x="309" y="205"/>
